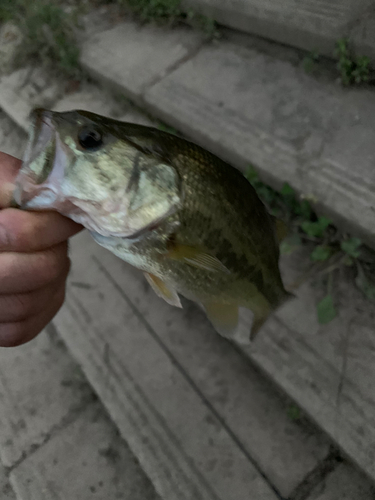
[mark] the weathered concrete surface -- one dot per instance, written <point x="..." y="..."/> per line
<point x="307" y="24"/>
<point x="308" y="366"/>
<point x="12" y="138"/>
<point x="18" y="98"/>
<point x="243" y="104"/>
<point x="6" y="491"/>
<point x="142" y="55"/>
<point x="345" y="483"/>
<point x="100" y="325"/>
<point x="85" y="460"/>
<point x="251" y="108"/>
<point x="10" y="38"/>
<point x="40" y="387"/>
<point x="98" y="100"/>
<point x="328" y="369"/>
<point x="26" y="89"/>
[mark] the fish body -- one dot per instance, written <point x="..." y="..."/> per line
<point x="190" y="221"/>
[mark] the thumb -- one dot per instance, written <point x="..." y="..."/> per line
<point x="9" y="167"/>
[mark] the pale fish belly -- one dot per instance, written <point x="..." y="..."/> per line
<point x="193" y="283"/>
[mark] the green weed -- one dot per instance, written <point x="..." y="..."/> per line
<point x="352" y="70"/>
<point x="201" y="22"/>
<point x="166" y="128"/>
<point x="156" y="10"/>
<point x="330" y="245"/>
<point x="321" y="253"/>
<point x="48" y="33"/>
<point x="171" y="12"/>
<point x="7" y="9"/>
<point x="326" y="310"/>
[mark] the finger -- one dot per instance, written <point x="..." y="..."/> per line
<point x="22" y="231"/>
<point x="9" y="167"/>
<point x="23" y="272"/>
<point x="14" y="334"/>
<point x="19" y="307"/>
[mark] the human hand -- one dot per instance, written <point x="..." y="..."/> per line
<point x="34" y="263"/>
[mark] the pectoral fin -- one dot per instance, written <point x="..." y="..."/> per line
<point x="224" y="317"/>
<point x="196" y="257"/>
<point x="163" y="290"/>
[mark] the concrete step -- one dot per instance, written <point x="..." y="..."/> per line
<point x="344" y="483"/>
<point x="56" y="439"/>
<point x="209" y="423"/>
<point x="306" y="24"/>
<point x="251" y="106"/>
<point x="187" y="370"/>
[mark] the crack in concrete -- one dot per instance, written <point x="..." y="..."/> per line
<point x="65" y="422"/>
<point x="173" y="67"/>
<point x="317" y="475"/>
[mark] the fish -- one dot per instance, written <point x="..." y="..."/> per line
<point x="190" y="221"/>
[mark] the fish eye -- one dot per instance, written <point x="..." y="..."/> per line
<point x="90" y="138"/>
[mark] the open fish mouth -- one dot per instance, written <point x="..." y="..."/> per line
<point x="36" y="183"/>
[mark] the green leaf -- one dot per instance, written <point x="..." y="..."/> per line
<point x="321" y="253"/>
<point x="326" y="310"/>
<point x="287" y="190"/>
<point x="317" y="228"/>
<point x="351" y="247"/>
<point x="305" y="209"/>
<point x="166" y="128"/>
<point x="267" y="194"/>
<point x="252" y="175"/>
<point x="348" y="261"/>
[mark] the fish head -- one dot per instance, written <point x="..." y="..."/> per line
<point x="87" y="168"/>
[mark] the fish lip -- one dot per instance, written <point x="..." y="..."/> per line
<point x="42" y="133"/>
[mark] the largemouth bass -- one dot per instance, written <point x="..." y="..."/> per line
<point x="192" y="223"/>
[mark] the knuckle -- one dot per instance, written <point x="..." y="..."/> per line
<point x="8" y="267"/>
<point x="55" y="264"/>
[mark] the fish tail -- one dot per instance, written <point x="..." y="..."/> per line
<point x="262" y="309"/>
<point x="258" y="322"/>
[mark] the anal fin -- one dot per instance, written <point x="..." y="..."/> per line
<point x="163" y="290"/>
